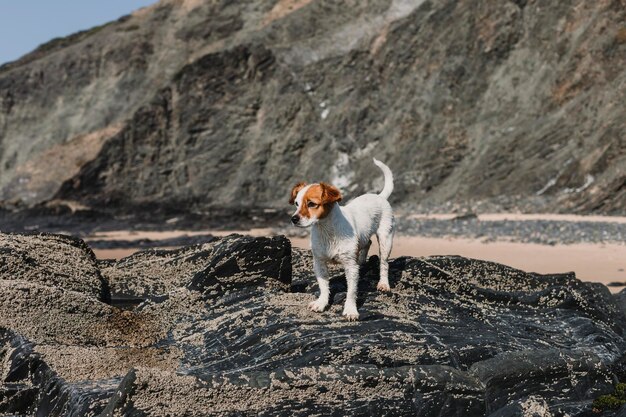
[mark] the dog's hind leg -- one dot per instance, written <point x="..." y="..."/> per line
<point x="362" y="258"/>
<point x="385" y="242"/>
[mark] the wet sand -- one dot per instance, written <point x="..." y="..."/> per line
<point x="603" y="263"/>
<point x="526" y="217"/>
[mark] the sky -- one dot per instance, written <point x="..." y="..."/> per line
<point x="26" y="24"/>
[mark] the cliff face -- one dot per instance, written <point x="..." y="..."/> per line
<point x="203" y="104"/>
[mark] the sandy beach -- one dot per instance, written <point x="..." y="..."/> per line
<point x="604" y="263"/>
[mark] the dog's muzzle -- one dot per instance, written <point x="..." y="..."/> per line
<point x="295" y="219"/>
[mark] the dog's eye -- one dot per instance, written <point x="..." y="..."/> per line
<point x="311" y="204"/>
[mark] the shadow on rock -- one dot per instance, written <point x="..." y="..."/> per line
<point x="223" y="328"/>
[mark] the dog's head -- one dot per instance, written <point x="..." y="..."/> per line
<point x="313" y="202"/>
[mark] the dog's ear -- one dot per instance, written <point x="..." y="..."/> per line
<point x="330" y="194"/>
<point x="294" y="191"/>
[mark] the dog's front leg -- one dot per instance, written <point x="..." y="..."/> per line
<point x="321" y="273"/>
<point x="352" y="277"/>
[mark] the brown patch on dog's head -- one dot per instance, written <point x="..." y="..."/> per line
<point x="330" y="193"/>
<point x="294" y="191"/>
<point x="318" y="201"/>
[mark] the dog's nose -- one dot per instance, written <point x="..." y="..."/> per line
<point x="295" y="219"/>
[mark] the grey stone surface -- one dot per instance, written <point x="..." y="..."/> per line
<point x="51" y="260"/>
<point x="202" y="104"/>
<point x="232" y="336"/>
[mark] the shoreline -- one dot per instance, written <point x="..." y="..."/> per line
<point x="496" y="217"/>
<point x="603" y="263"/>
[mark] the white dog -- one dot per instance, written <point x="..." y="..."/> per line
<point x="342" y="234"/>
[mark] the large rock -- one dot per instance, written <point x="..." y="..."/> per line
<point x="51" y="260"/>
<point x="192" y="104"/>
<point x="154" y="272"/>
<point x="29" y="386"/>
<point x="243" y="262"/>
<point x="455" y="337"/>
<point x="230" y="262"/>
<point x="54" y="315"/>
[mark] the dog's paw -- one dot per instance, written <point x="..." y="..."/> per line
<point x="317" y="306"/>
<point x="383" y="286"/>
<point x="350" y="313"/>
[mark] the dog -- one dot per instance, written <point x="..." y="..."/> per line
<point x="342" y="234"/>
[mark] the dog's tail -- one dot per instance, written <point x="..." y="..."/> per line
<point x="388" y="188"/>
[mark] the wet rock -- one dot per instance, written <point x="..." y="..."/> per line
<point x="232" y="336"/>
<point x="52" y="260"/>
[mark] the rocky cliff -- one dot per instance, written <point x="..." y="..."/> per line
<point x="223" y="329"/>
<point x="202" y="104"/>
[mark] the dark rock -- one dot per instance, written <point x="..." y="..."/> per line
<point x="569" y="380"/>
<point x="455" y="337"/>
<point x="150" y="243"/>
<point x="28" y="386"/>
<point x="466" y="216"/>
<point x="238" y="262"/>
<point x="52" y="260"/>
<point x="528" y="231"/>
<point x="527" y="407"/>
<point x="154" y="272"/>
<point x="619" y="368"/>
<point x="119" y="402"/>
<point x="224" y="263"/>
<point x="621" y="300"/>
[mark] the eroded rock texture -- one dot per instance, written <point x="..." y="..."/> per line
<point x="53" y="261"/>
<point x="197" y="104"/>
<point x="228" y="333"/>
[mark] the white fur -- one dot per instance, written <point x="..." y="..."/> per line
<point x="344" y="236"/>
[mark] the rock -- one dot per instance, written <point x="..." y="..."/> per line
<point x="28" y="386"/>
<point x="419" y="390"/>
<point x="120" y="401"/>
<point x="621" y="300"/>
<point x="52" y="260"/>
<point x="230" y="262"/>
<point x="505" y="333"/>
<point x="52" y="315"/>
<point x="232" y="335"/>
<point x="323" y="88"/>
<point x="154" y="272"/>
<point x="239" y="262"/>
<point x="508" y="376"/>
<point x="528" y="407"/>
